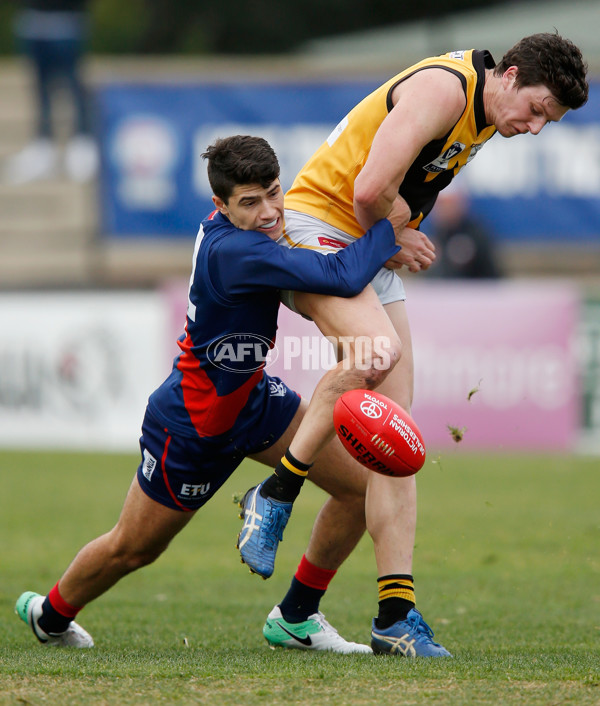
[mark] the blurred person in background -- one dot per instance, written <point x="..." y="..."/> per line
<point x="464" y="245"/>
<point x="52" y="36"/>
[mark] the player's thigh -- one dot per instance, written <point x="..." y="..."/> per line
<point x="272" y="455"/>
<point x="362" y="315"/>
<point x="400" y="382"/>
<point x="334" y="470"/>
<point x="146" y="526"/>
<point x="365" y="315"/>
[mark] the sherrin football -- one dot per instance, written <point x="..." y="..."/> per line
<point x="378" y="433"/>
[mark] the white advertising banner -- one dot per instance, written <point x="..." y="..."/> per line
<point x="76" y="368"/>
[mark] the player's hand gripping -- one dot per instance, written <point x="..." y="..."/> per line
<point x="418" y="252"/>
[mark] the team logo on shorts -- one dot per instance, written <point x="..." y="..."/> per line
<point x="241" y="352"/>
<point x="327" y="242"/>
<point x="276" y="389"/>
<point x="149" y="464"/>
<point x="191" y="490"/>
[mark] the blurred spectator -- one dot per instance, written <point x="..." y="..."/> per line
<point x="464" y="246"/>
<point x="52" y="35"/>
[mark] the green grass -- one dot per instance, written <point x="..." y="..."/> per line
<point x="507" y="569"/>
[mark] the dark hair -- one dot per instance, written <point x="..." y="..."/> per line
<point x="550" y="60"/>
<point x="240" y="159"/>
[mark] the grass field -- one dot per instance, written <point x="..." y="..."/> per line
<point x="507" y="570"/>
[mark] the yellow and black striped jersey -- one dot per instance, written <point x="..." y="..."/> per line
<point x="324" y="187"/>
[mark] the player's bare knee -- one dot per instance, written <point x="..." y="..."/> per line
<point x="373" y="358"/>
<point x="130" y="556"/>
<point x="353" y="501"/>
<point x="138" y="558"/>
<point x="349" y="490"/>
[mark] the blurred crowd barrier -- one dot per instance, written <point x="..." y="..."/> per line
<point x="509" y="365"/>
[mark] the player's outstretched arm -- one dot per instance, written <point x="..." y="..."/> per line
<point x="262" y="264"/>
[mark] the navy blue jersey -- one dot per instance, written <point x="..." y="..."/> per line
<point x="218" y="380"/>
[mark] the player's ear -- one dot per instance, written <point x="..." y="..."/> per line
<point x="220" y="205"/>
<point x="510" y="76"/>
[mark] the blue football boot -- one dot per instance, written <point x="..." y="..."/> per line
<point x="264" y="522"/>
<point x="411" y="638"/>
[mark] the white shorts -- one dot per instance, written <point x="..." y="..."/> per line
<point x="310" y="232"/>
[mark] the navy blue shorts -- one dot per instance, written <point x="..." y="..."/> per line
<point x="183" y="473"/>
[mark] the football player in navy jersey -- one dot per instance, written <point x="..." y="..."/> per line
<point x="215" y="409"/>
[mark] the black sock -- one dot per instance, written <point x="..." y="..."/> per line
<point x="287" y="480"/>
<point x="51" y="621"/>
<point x="300" y="602"/>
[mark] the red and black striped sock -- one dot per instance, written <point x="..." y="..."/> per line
<point x="57" y="614"/>
<point x="308" y="587"/>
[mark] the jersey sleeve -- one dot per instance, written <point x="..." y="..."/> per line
<point x="248" y="261"/>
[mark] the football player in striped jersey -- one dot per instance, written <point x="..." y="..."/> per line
<point x="389" y="157"/>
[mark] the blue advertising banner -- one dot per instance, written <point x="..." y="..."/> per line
<point x="544" y="187"/>
<point x="153" y="136"/>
